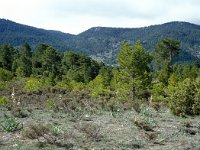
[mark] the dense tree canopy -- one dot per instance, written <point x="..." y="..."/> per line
<point x="24" y="61"/>
<point x="7" y="56"/>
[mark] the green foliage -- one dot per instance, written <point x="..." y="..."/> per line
<point x="196" y="105"/>
<point x="46" y="62"/>
<point x="10" y="124"/>
<point x="165" y="52"/>
<point x="121" y="84"/>
<point x="184" y="98"/>
<point x="24" y="62"/>
<point x="129" y="80"/>
<point x="7" y="56"/>
<point x="76" y="75"/>
<point x="145" y="111"/>
<point x="133" y="76"/>
<point x="103" y="42"/>
<point x="3" y="85"/>
<point x="158" y="92"/>
<point x="186" y="70"/>
<point x="97" y="86"/>
<point x="77" y="86"/>
<point x="164" y="74"/>
<point x="166" y="49"/>
<point x="50" y="104"/>
<point x="4" y="101"/>
<point x="57" y="131"/>
<point x="125" y="56"/>
<point x="50" y="80"/>
<point x="79" y="68"/>
<point x="51" y="61"/>
<point x="33" y="85"/>
<point x="101" y="85"/>
<point x="107" y="75"/>
<point x="5" y="75"/>
<point x="37" y="59"/>
<point x="64" y="84"/>
<point x="70" y="85"/>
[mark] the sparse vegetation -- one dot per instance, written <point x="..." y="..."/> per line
<point x="4" y="101"/>
<point x="57" y="131"/>
<point x="35" y="131"/>
<point x="10" y="124"/>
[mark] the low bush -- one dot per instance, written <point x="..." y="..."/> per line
<point x="33" y="85"/>
<point x="10" y="124"/>
<point x="158" y="92"/>
<point x="50" y="104"/>
<point x="3" y="85"/>
<point x="184" y="98"/>
<point x="35" y="131"/>
<point x="196" y="105"/>
<point x="5" y="75"/>
<point x="56" y="131"/>
<point x="4" y="101"/>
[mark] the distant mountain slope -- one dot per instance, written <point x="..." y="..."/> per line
<point x="104" y="43"/>
<point x="16" y="34"/>
<point x="107" y="40"/>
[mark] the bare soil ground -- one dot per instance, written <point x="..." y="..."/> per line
<point x="83" y="125"/>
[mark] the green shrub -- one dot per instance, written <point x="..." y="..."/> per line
<point x="3" y="101"/>
<point x="184" y="98"/>
<point x="97" y="87"/>
<point x="56" y="131"/>
<point x="3" y="85"/>
<point x="77" y="86"/>
<point x="33" y="85"/>
<point x="5" y="75"/>
<point x="50" y="104"/>
<point x="196" y="105"/>
<point x="158" y="92"/>
<point x="146" y="111"/>
<point x="64" y="84"/>
<point x="10" y="124"/>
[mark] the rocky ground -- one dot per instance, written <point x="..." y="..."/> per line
<point x="77" y="122"/>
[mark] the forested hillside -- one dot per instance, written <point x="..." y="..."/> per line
<point x="104" y="43"/>
<point x="17" y="34"/>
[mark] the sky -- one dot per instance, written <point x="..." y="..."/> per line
<point x="76" y="16"/>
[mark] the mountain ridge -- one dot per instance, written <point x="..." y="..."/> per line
<point x="103" y="43"/>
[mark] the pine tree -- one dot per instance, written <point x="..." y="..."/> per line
<point x="51" y="61"/>
<point x="166" y="50"/>
<point x="7" y="56"/>
<point x="133" y="75"/>
<point x="37" y="59"/>
<point x="24" y="62"/>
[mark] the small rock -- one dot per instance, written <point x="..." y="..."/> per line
<point x="191" y="131"/>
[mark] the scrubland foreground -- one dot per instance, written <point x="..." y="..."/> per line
<point x="57" y="119"/>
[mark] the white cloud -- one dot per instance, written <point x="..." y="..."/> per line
<point x="75" y="16"/>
